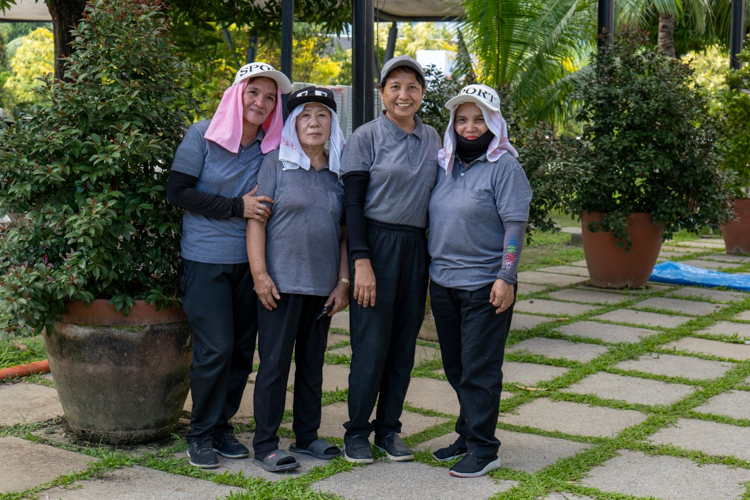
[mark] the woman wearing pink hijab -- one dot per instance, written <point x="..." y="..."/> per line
<point x="214" y="178"/>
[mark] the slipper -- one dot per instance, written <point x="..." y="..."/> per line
<point x="271" y="462"/>
<point x="318" y="449"/>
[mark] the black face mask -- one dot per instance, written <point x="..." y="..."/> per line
<point x="470" y="150"/>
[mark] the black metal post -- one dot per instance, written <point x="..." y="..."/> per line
<point x="252" y="49"/>
<point x="737" y="34"/>
<point x="287" y="30"/>
<point x="391" y="47"/>
<point x="363" y="49"/>
<point x="606" y="21"/>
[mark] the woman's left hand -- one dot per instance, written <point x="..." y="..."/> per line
<point x="501" y="296"/>
<point x="339" y="298"/>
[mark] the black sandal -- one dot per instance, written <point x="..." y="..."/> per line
<point x="273" y="462"/>
<point x="318" y="449"/>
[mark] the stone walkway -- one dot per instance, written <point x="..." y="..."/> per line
<point x="607" y="394"/>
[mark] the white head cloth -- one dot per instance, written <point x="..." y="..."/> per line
<point x="489" y="103"/>
<point x="293" y="156"/>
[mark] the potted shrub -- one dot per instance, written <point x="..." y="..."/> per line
<point x="735" y="146"/>
<point x="647" y="164"/>
<point x="94" y="253"/>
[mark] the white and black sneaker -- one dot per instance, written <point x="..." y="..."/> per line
<point x="471" y="466"/>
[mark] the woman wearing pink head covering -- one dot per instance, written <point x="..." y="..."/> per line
<point x="478" y="213"/>
<point x="214" y="178"/>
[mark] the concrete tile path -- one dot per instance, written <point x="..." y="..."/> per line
<point x="568" y="343"/>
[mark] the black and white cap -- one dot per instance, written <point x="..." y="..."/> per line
<point x="478" y="94"/>
<point x="258" y="69"/>
<point x="311" y="94"/>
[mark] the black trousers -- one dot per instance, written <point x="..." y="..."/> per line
<point x="221" y="308"/>
<point x="278" y="330"/>
<point x="472" y="343"/>
<point x="384" y="337"/>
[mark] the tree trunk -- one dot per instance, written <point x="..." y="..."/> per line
<point x="666" y="35"/>
<point x="65" y="13"/>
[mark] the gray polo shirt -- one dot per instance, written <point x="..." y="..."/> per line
<point x="402" y="167"/>
<point x="304" y="232"/>
<point x="467" y="210"/>
<point x="221" y="172"/>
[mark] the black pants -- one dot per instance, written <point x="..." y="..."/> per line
<point x="472" y="343"/>
<point x="384" y="337"/>
<point x="221" y="308"/>
<point x="293" y="320"/>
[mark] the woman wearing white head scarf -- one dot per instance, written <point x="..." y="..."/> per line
<point x="301" y="275"/>
<point x="478" y="213"/>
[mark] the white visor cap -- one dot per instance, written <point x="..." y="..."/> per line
<point x="258" y="69"/>
<point x="478" y="94"/>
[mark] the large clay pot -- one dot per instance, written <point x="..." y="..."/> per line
<point x="609" y="266"/>
<point x="737" y="233"/>
<point x="121" y="379"/>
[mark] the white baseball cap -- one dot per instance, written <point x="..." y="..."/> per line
<point x="479" y="94"/>
<point x="258" y="69"/>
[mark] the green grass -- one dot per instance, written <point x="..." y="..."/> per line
<point x="21" y="350"/>
<point x="549" y="249"/>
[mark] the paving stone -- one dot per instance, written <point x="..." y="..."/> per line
<point x="335" y="338"/>
<point x="334" y="416"/>
<point x="668" y="478"/>
<point x="340" y="320"/>
<point x="529" y="373"/>
<point x="709" y="264"/>
<point x="677" y="366"/>
<point x="554" y="348"/>
<point x="387" y="480"/>
<point x="631" y="389"/>
<point x="707" y="244"/>
<point x="542" y="306"/>
<point x="726" y="258"/>
<point x="520" y="451"/>
<point x="24" y="464"/>
<point x="432" y="394"/>
<point x="709" y="294"/>
<point x="692" y="307"/>
<point x="643" y="318"/>
<point x="335" y="377"/>
<point x="537" y="278"/>
<point x="711" y="438"/>
<point x="529" y="288"/>
<point x="565" y="496"/>
<point x="588" y="296"/>
<point x="649" y="288"/>
<point x="579" y="263"/>
<point x="572" y="270"/>
<point x="728" y="328"/>
<point x="680" y="250"/>
<point x="727" y="350"/>
<point x="671" y="254"/>
<point x="245" y="411"/>
<point x="743" y="316"/>
<point x="138" y="483"/>
<point x="523" y="321"/>
<point x="573" y="418"/>
<point x="26" y="403"/>
<point x="735" y="404"/>
<point x="606" y="332"/>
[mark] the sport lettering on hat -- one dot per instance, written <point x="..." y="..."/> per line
<point x="478" y="94"/>
<point x="258" y="69"/>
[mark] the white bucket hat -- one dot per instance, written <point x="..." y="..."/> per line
<point x="258" y="69"/>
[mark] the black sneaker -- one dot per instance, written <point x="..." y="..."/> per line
<point x="226" y="445"/>
<point x="471" y="466"/>
<point x="357" y="450"/>
<point x="201" y="454"/>
<point x="392" y="445"/>
<point x="456" y="450"/>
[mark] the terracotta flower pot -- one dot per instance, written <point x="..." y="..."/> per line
<point x="737" y="233"/>
<point x="121" y="379"/>
<point x="609" y="266"/>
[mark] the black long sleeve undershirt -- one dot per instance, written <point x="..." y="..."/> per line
<point x="355" y="194"/>
<point x="181" y="192"/>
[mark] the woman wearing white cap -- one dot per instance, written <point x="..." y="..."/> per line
<point x="299" y="267"/>
<point x="478" y="214"/>
<point x="213" y="178"/>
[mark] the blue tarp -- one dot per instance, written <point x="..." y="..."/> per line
<point x="680" y="274"/>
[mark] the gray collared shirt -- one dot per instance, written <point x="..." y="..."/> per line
<point x="402" y="166"/>
<point x="221" y="172"/>
<point x="467" y="210"/>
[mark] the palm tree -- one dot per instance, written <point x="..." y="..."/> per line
<point x="535" y="47"/>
